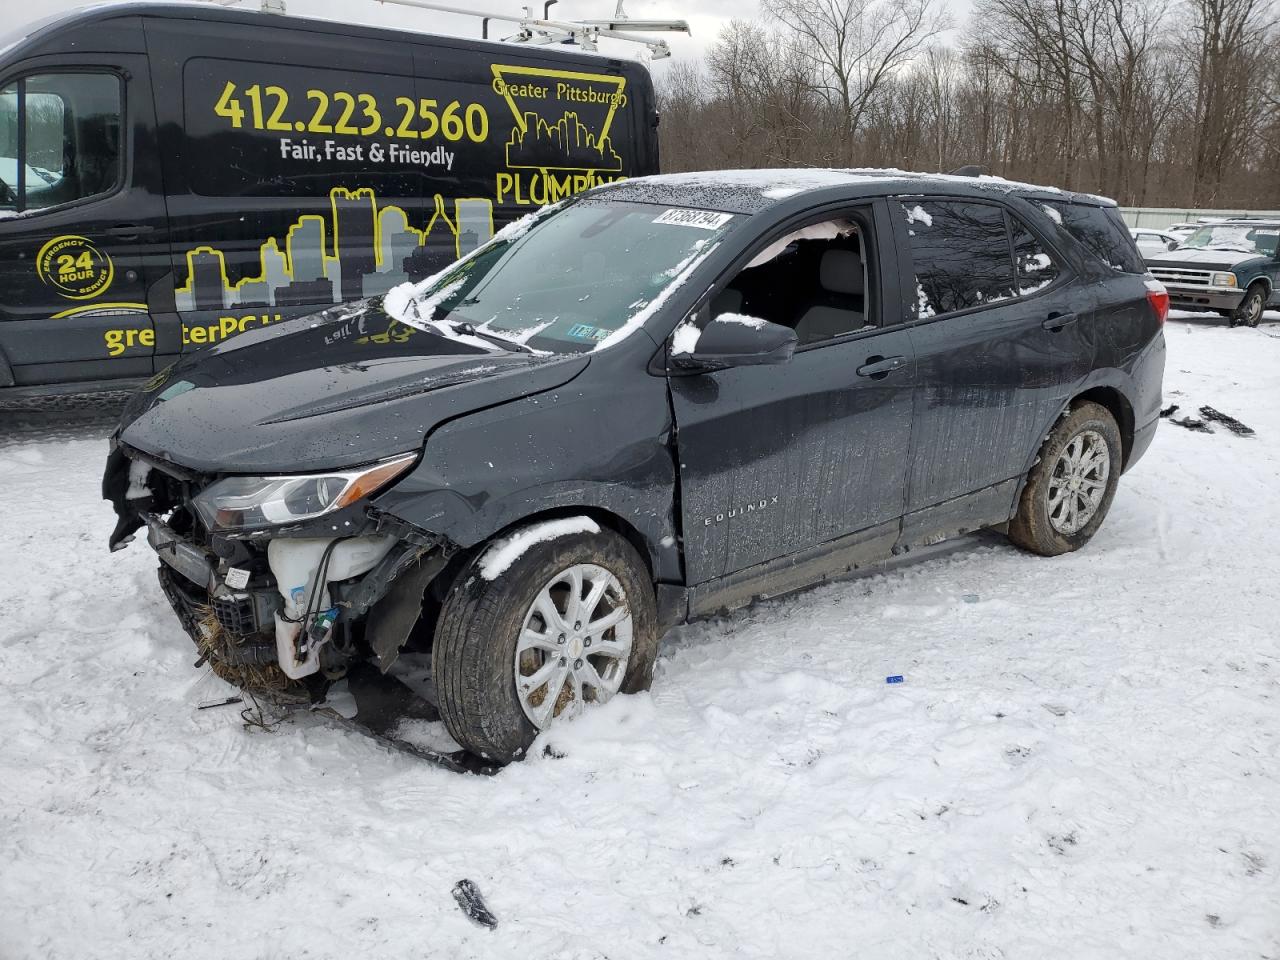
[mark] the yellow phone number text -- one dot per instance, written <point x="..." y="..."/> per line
<point x="355" y="115"/>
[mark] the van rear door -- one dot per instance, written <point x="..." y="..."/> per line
<point x="82" y="217"/>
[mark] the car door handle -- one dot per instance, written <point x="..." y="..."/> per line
<point x="126" y="231"/>
<point x="877" y="368"/>
<point x="1056" y="321"/>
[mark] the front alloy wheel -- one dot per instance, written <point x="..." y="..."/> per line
<point x="571" y="622"/>
<point x="575" y="644"/>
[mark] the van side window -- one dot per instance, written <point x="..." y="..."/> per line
<point x="1034" y="265"/>
<point x="59" y="139"/>
<point x="961" y="255"/>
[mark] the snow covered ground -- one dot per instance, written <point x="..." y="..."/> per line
<point x="1083" y="759"/>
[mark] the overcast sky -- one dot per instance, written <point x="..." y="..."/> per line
<point x="705" y="17"/>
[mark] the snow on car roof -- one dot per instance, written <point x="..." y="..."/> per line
<point x="749" y="191"/>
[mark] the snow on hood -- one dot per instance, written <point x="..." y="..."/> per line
<point x="1205" y="255"/>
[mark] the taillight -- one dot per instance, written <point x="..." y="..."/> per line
<point x="1158" y="297"/>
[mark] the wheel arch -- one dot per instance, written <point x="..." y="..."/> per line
<point x="1267" y="284"/>
<point x="607" y="519"/>
<point x="1118" y="405"/>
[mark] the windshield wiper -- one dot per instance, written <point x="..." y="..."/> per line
<point x="469" y="330"/>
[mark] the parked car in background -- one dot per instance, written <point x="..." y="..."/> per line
<point x="1228" y="266"/>
<point x="1151" y="242"/>
<point x="1181" y="231"/>
<point x="658" y="401"/>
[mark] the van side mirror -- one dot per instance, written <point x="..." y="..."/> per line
<point x="1171" y="245"/>
<point x="731" y="340"/>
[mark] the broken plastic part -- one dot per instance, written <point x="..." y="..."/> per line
<point x="295" y="565"/>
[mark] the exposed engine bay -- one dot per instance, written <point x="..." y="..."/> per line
<point x="280" y="611"/>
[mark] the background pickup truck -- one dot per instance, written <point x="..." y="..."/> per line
<point x="1231" y="267"/>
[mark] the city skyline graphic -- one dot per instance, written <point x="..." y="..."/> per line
<point x="359" y="250"/>
<point x="567" y="144"/>
<point x="579" y="138"/>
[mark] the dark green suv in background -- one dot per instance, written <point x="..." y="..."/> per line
<point x="1231" y="266"/>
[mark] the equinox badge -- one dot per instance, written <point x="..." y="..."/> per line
<point x="761" y="504"/>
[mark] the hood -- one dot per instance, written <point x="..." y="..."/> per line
<point x="333" y="389"/>
<point x="1202" y="259"/>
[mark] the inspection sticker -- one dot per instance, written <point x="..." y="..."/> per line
<point x="702" y="219"/>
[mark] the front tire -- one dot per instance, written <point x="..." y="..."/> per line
<point x="571" y="621"/>
<point x="1249" y="313"/>
<point x="1071" y="486"/>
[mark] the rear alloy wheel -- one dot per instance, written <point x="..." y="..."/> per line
<point x="1071" y="486"/>
<point x="571" y="622"/>
<point x="1250" y="310"/>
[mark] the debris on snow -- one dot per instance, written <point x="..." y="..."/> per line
<point x="1199" y="426"/>
<point x="1231" y="423"/>
<point x="472" y="904"/>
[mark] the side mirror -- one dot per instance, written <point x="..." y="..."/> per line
<point x="1172" y="245"/>
<point x="731" y="340"/>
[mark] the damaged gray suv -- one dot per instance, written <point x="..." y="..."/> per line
<point x="654" y="402"/>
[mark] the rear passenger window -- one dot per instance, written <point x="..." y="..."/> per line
<point x="961" y="255"/>
<point x="1101" y="231"/>
<point x="1034" y="266"/>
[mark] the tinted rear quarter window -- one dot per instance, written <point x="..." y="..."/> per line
<point x="1101" y="231"/>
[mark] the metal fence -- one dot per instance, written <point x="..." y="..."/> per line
<point x="1157" y="218"/>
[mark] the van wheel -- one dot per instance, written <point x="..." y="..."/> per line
<point x="572" y="621"/>
<point x="1250" y="310"/>
<point x="1071" y="486"/>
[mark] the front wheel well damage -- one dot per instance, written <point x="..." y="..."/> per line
<point x="437" y="590"/>
<point x="1119" y="407"/>
<point x="605" y="518"/>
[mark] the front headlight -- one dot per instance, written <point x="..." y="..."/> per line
<point x="255" y="503"/>
<point x="1223" y="280"/>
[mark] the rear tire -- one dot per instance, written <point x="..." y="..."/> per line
<point x="483" y="640"/>
<point x="1071" y="486"/>
<point x="1249" y="313"/>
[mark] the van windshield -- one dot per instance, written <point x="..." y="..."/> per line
<point x="573" y="279"/>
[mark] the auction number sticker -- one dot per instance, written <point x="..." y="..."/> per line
<point x="74" y="267"/>
<point x="702" y="219"/>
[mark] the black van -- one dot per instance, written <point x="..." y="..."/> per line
<point x="173" y="175"/>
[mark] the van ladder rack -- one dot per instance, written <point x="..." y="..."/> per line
<point x="583" y="33"/>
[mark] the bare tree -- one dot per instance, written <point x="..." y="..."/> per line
<point x="1229" y="39"/>
<point x="855" y="45"/>
<point x="1149" y="101"/>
